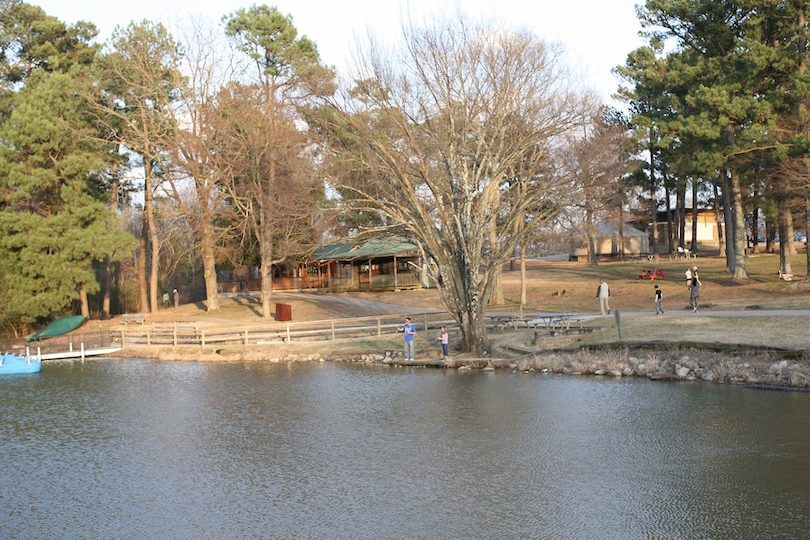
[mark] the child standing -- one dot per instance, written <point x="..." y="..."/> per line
<point x="444" y="338"/>
<point x="659" y="301"/>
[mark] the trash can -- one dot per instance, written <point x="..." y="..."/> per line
<point x="283" y="312"/>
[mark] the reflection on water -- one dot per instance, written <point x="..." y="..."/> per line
<point x="137" y="449"/>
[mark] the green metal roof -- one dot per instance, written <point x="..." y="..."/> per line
<point x="375" y="247"/>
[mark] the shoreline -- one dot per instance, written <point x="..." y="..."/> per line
<point x="754" y="367"/>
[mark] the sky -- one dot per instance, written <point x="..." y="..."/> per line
<point x="597" y="34"/>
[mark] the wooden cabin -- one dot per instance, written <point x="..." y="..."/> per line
<point x="389" y="263"/>
<point x="375" y="264"/>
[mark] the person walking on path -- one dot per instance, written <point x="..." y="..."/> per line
<point x="409" y="329"/>
<point x="694" y="293"/>
<point x="176" y="296"/>
<point x="444" y="339"/>
<point x="603" y="294"/>
<point x="659" y="301"/>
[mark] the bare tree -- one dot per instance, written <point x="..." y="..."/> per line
<point x="595" y="161"/>
<point x="194" y="146"/>
<point x="443" y="127"/>
<point x="142" y="79"/>
<point x="267" y="141"/>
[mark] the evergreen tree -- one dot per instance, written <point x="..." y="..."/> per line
<point x="54" y="224"/>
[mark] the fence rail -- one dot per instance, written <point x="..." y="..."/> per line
<point x="185" y="333"/>
<point x="323" y="330"/>
<point x="98" y="339"/>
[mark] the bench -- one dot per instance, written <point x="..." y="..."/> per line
<point x="134" y="318"/>
<point x="566" y="323"/>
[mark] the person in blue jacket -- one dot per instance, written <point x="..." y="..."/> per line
<point x="409" y="329"/>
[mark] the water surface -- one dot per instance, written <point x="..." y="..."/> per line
<point x="139" y="449"/>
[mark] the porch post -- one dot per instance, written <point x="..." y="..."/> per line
<point x="396" y="285"/>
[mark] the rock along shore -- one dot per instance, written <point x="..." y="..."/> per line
<point x="749" y="367"/>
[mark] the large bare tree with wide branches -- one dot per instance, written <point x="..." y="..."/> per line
<point x="454" y="135"/>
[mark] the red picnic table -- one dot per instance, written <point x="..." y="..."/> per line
<point x="658" y="273"/>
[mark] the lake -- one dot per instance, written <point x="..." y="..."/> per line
<point x="142" y="449"/>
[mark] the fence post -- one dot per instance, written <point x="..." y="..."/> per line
<point x="202" y="338"/>
<point x="123" y="341"/>
<point x="148" y="339"/>
<point x="333" y="329"/>
<point x="288" y="332"/>
<point x="379" y="327"/>
<point x="174" y="336"/>
<point x="82" y="351"/>
<point x="246" y="337"/>
<point x="426" y="322"/>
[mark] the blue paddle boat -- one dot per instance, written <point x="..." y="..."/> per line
<point x="11" y="363"/>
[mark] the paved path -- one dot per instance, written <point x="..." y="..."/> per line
<point x="358" y="302"/>
<point x="396" y="308"/>
<point x="708" y="313"/>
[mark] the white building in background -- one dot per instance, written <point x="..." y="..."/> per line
<point x="607" y="241"/>
<point x="707" y="238"/>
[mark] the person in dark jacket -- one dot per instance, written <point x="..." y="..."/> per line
<point x="694" y="292"/>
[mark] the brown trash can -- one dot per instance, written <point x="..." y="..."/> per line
<point x="283" y="312"/>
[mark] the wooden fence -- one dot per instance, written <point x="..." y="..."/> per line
<point x="187" y="333"/>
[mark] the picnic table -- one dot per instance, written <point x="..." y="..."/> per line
<point x="552" y="320"/>
<point x="139" y="318"/>
<point x="683" y="253"/>
<point x="502" y="320"/>
<point x="658" y="273"/>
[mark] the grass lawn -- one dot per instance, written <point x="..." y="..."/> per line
<point x="547" y="281"/>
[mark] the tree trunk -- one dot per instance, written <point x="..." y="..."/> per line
<point x="718" y="217"/>
<point x="473" y="332"/>
<point x="807" y="230"/>
<point x="739" y="272"/>
<point x="754" y="230"/>
<point x="209" y="270"/>
<point x="729" y="221"/>
<point x="154" y="244"/>
<point x="681" y="210"/>
<point x="143" y="289"/>
<point x="695" y="186"/>
<point x="496" y="299"/>
<point x="523" y="273"/>
<point x="105" y="300"/>
<point x="670" y="235"/>
<point x="784" y="247"/>
<point x="85" y="305"/>
<point x="653" y="200"/>
<point x="265" y="236"/>
<point x="207" y="247"/>
<point x="465" y="298"/>
<point x="592" y="259"/>
<point x="790" y="245"/>
<point x="654" y="221"/>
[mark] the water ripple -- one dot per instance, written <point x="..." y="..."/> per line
<point x="137" y="449"/>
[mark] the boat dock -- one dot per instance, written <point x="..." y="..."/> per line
<point x="71" y="346"/>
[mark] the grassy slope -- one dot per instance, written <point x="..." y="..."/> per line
<point x="546" y="281"/>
